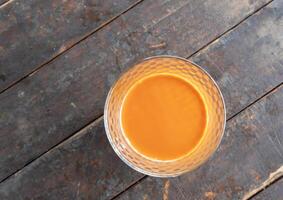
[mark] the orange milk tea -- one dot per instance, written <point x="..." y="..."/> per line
<point x="163" y="116"/>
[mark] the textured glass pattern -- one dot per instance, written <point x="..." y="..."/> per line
<point x="202" y="82"/>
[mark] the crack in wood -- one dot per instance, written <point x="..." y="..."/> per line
<point x="274" y="176"/>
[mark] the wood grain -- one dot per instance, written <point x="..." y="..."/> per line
<point x="34" y="31"/>
<point x="251" y="149"/>
<point x="275" y="191"/>
<point x="36" y="115"/>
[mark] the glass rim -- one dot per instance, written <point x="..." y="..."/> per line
<point x="137" y="168"/>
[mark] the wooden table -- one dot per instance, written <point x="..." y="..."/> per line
<point x="58" y="59"/>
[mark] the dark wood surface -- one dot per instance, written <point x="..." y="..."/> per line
<point x="85" y="72"/>
<point x="52" y="94"/>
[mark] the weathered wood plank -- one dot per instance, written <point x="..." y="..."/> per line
<point x="34" y="31"/>
<point x="43" y="116"/>
<point x="25" y="176"/>
<point x="275" y="191"/>
<point x="73" y="170"/>
<point x="251" y="149"/>
<point x="36" y="115"/>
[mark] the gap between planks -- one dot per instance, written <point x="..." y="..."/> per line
<point x="136" y="182"/>
<point x="67" y="48"/>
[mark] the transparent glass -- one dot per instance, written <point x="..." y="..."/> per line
<point x="212" y="98"/>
